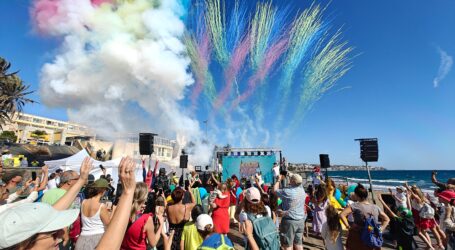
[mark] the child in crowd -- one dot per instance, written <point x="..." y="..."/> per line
<point x="331" y="230"/>
<point x="320" y="202"/>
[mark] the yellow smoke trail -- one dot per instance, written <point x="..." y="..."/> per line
<point x="261" y="28"/>
<point x="216" y="24"/>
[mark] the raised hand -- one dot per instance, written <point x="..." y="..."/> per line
<point x="127" y="174"/>
<point x="45" y="169"/>
<point x="86" y="167"/>
<point x="36" y="182"/>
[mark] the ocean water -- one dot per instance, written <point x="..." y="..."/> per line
<point x="382" y="180"/>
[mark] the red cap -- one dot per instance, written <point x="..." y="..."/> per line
<point x="447" y="195"/>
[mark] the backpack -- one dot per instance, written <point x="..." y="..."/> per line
<point x="265" y="233"/>
<point x="426" y="212"/>
<point x="371" y="234"/>
<point x="217" y="242"/>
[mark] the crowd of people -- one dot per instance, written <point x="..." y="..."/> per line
<point x="72" y="210"/>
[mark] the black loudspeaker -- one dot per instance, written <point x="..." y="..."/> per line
<point x="184" y="161"/>
<point x="146" y="143"/>
<point x="369" y="150"/>
<point x="325" y="161"/>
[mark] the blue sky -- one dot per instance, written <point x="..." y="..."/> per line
<point x="388" y="94"/>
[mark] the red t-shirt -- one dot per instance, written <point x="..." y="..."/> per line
<point x="135" y="236"/>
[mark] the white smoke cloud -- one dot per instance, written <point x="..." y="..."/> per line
<point x="444" y="67"/>
<point x="120" y="69"/>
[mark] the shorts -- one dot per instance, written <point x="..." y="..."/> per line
<point x="291" y="232"/>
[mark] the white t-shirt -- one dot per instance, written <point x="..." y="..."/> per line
<point x="51" y="184"/>
<point x="329" y="244"/>
<point x="402" y="197"/>
<point x="276" y="171"/>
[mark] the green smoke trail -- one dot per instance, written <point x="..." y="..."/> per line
<point x="261" y="28"/>
<point x="216" y="24"/>
<point x="327" y="67"/>
<point x="307" y="30"/>
<point x="196" y="66"/>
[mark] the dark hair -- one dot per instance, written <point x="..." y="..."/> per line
<point x="321" y="193"/>
<point x="361" y="192"/>
<point x="196" y="211"/>
<point x="94" y="191"/>
<point x="208" y="230"/>
<point x="333" y="222"/>
<point x="255" y="208"/>
<point x="177" y="195"/>
<point x="265" y="199"/>
<point x="273" y="201"/>
<point x="52" y="176"/>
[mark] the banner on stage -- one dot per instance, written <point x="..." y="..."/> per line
<point x="247" y="166"/>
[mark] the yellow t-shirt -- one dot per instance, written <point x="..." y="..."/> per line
<point x="191" y="237"/>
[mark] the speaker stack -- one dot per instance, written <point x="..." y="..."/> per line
<point x="369" y="150"/>
<point x="324" y="160"/>
<point x="146" y="143"/>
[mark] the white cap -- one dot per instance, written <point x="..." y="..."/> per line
<point x="202" y="221"/>
<point x="24" y="221"/>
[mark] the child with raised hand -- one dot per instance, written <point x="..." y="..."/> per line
<point x="331" y="230"/>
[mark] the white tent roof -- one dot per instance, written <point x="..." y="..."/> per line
<point x="74" y="162"/>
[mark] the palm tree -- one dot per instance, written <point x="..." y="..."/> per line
<point x="13" y="93"/>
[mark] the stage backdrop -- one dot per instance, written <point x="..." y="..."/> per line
<point x="247" y="166"/>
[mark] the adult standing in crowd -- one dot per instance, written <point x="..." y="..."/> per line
<point x="95" y="216"/>
<point x="67" y="180"/>
<point x="252" y="205"/>
<point x="179" y="214"/>
<point x="293" y="211"/>
<point x="360" y="210"/>
<point x="12" y="179"/>
<point x="275" y="172"/>
<point x="220" y="214"/>
<point x="142" y="228"/>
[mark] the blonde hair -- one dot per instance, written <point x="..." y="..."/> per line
<point x="140" y="197"/>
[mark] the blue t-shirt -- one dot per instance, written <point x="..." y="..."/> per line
<point x="293" y="202"/>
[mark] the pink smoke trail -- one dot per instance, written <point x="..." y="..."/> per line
<point x="43" y="12"/>
<point x="99" y="2"/>
<point x="271" y="56"/>
<point x="204" y="59"/>
<point x="237" y="60"/>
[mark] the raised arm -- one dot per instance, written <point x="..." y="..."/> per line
<point x="45" y="176"/>
<point x="67" y="199"/>
<point x="248" y="232"/>
<point x="344" y="214"/>
<point x="386" y="207"/>
<point x="215" y="180"/>
<point x="113" y="237"/>
<point x="154" y="234"/>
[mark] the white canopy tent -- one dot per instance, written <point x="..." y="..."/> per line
<point x="74" y="163"/>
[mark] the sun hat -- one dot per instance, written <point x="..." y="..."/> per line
<point x="100" y="183"/>
<point x="253" y="195"/>
<point x="28" y="219"/>
<point x="400" y="187"/>
<point x="202" y="221"/>
<point x="296" y="178"/>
